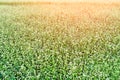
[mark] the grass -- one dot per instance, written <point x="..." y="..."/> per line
<point x="60" y="41"/>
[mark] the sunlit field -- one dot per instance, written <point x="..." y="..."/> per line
<point x="60" y="41"/>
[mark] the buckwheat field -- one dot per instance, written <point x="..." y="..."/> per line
<point x="59" y="41"/>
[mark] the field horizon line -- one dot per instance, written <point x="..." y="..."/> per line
<point x="48" y="2"/>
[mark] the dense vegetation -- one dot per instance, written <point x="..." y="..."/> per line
<point x="60" y="42"/>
